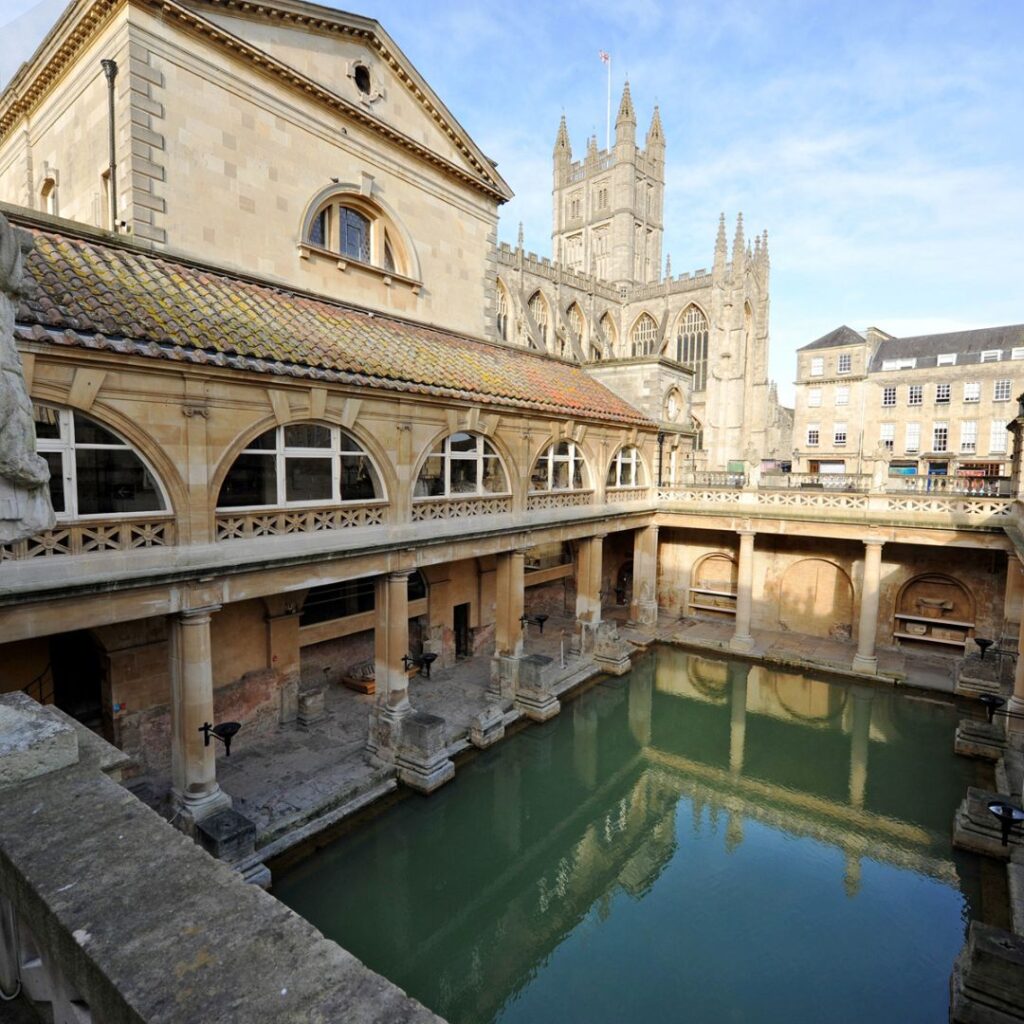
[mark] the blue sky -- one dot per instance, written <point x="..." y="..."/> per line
<point x="880" y="143"/>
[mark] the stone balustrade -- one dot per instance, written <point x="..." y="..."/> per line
<point x="91" y="537"/>
<point x="274" y="522"/>
<point x="616" y="495"/>
<point x="424" y="510"/>
<point x="557" y="499"/>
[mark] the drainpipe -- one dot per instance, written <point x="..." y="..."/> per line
<point x="110" y="70"/>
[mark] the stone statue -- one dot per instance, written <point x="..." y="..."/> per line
<point x="25" y="506"/>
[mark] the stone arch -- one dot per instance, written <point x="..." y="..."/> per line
<point x="716" y="571"/>
<point x="643" y="335"/>
<point x="541" y="311"/>
<point x="934" y="596"/>
<point x="816" y="598"/>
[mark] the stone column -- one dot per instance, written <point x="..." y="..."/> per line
<point x="860" y="739"/>
<point x="391" y="642"/>
<point x="588" y="579"/>
<point x="865" y="659"/>
<point x="509" y="603"/>
<point x="1015" y="705"/>
<point x="742" y="639"/>
<point x="193" y="763"/>
<point x="643" y="609"/>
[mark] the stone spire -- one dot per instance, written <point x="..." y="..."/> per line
<point x="721" y="251"/>
<point x="655" y="133"/>
<point x="592" y="147"/>
<point x="737" y="242"/>
<point x="563" y="147"/>
<point x="519" y="237"/>
<point x="668" y="267"/>
<point x="626" y="114"/>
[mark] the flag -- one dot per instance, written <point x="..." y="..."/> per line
<point x="606" y="57"/>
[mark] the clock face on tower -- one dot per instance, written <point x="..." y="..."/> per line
<point x="673" y="405"/>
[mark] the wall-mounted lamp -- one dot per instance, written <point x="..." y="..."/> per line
<point x="420" y="661"/>
<point x="225" y="732"/>
<point x="536" y="620"/>
<point x="1008" y="815"/>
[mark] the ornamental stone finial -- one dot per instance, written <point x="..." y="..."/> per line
<point x="25" y="506"/>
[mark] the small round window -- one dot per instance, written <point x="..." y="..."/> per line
<point x="362" y="77"/>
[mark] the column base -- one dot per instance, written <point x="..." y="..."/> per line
<point x="385" y="728"/>
<point x="537" y="704"/>
<point x="643" y="613"/>
<point x="741" y="644"/>
<point x="487" y="727"/>
<point x="869" y="666"/>
<point x="191" y="810"/>
<point x="422" y="759"/>
<point x="1015" y="706"/>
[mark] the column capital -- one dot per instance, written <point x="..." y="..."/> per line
<point x="395" y="575"/>
<point x="873" y="542"/>
<point x="746" y="531"/>
<point x="197" y="616"/>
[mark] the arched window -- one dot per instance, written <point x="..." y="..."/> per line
<point x="48" y="195"/>
<point x="698" y="441"/>
<point x="643" y="336"/>
<point x="462" y="464"/>
<point x="626" y="469"/>
<point x="92" y="471"/>
<point x="539" y="312"/>
<point x="356" y="230"/>
<point x="610" y="332"/>
<point x="502" y="312"/>
<point x="300" y="464"/>
<point x="559" y="468"/>
<point x="579" y="324"/>
<point x="692" y="345"/>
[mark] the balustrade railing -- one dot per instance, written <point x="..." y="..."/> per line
<point x="84" y="538"/>
<point x="558" y="499"/>
<point x="986" y="486"/>
<point x="621" y="494"/>
<point x="424" y="510"/>
<point x="849" y="482"/>
<point x="242" y="525"/>
<point x="713" y="479"/>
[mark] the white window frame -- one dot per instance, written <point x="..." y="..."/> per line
<point x="943" y="394"/>
<point x="915" y="394"/>
<point x="66" y="446"/>
<point x="839" y="435"/>
<point x="1005" y="386"/>
<point x="968" y="436"/>
<point x="946" y="359"/>
<point x="889" y="396"/>
<point x="817" y="366"/>
<point x="813" y="435"/>
<point x="573" y="455"/>
<point x="626" y="468"/>
<point x="814" y="398"/>
<point x="997" y="438"/>
<point x="972" y="390"/>
<point x="842" y="395"/>
<point x="991" y="355"/>
<point x="940" y="425"/>
<point x="1017" y="353"/>
<point x="479" y="455"/>
<point x="912" y="439"/>
<point x="887" y="436"/>
<point x="844" y="363"/>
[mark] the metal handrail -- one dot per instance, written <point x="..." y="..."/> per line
<point x="43" y="696"/>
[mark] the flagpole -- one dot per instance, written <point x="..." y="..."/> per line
<point x="608" y="109"/>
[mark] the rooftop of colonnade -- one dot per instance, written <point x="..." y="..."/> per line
<point x="90" y="289"/>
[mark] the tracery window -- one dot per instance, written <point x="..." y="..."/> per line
<point x="300" y="464"/>
<point x="357" y="231"/>
<point x="643" y="336"/>
<point x="539" y="311"/>
<point x="611" y="334"/>
<point x="625" y="468"/>
<point x="462" y="464"/>
<point x="692" y="345"/>
<point x="579" y="323"/>
<point x="502" y="313"/>
<point x="93" y="472"/>
<point x="559" y="468"/>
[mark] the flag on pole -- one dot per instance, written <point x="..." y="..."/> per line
<point x="605" y="56"/>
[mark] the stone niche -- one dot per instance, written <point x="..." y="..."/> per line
<point x="934" y="608"/>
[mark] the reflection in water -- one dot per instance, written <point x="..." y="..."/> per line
<point x="700" y="840"/>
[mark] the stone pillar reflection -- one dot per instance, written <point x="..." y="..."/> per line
<point x="742" y="638"/>
<point x="737" y="716"/>
<point x="865" y="659"/>
<point x="193" y="761"/>
<point x="641" y="702"/>
<point x="391" y="642"/>
<point x="643" y="609"/>
<point x="860" y="738"/>
<point x="584" y="742"/>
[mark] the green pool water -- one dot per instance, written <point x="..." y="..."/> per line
<point x="699" y="841"/>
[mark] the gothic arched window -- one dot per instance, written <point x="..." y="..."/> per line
<point x="300" y="464"/>
<point x="502" y="312"/>
<point x="93" y="472"/>
<point x="692" y="345"/>
<point x="579" y="324"/>
<point x="462" y="464"/>
<point x="559" y="468"/>
<point x="610" y="332"/>
<point x="539" y="311"/>
<point x="643" y="335"/>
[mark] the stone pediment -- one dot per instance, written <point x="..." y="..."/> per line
<point x="354" y="60"/>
